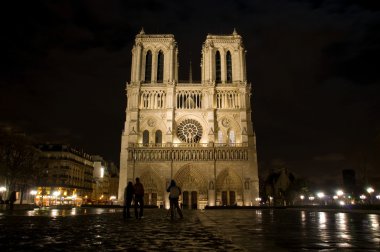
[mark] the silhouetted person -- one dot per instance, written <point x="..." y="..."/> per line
<point x="139" y="198"/>
<point x="174" y="192"/>
<point x="128" y="197"/>
<point x="12" y="199"/>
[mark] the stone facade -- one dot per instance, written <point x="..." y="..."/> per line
<point x="199" y="134"/>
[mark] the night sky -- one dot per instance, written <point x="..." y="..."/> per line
<point x="313" y="65"/>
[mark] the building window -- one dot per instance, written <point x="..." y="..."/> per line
<point x="217" y="67"/>
<point x="158" y="137"/>
<point x="160" y="67"/>
<point x="148" y="67"/>
<point x="145" y="137"/>
<point x="102" y="172"/>
<point x="231" y="137"/>
<point x="220" y="136"/>
<point x="229" y="67"/>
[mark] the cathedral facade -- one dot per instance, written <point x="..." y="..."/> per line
<point x="197" y="133"/>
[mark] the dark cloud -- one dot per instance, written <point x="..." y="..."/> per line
<point x="312" y="64"/>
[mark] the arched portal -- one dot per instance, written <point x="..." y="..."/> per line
<point x="193" y="185"/>
<point x="154" y="191"/>
<point x="229" y="188"/>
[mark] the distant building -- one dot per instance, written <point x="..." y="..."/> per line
<point x="349" y="180"/>
<point x="276" y="185"/>
<point x="198" y="133"/>
<point x="106" y="181"/>
<point x="67" y="175"/>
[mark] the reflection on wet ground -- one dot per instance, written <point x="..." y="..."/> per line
<point x="70" y="212"/>
<point x="273" y="230"/>
<point x="220" y="230"/>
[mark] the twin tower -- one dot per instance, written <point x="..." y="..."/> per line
<point x="197" y="133"/>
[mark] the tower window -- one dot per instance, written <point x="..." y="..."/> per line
<point x="229" y="67"/>
<point x="217" y="67"/>
<point x="148" y="67"/>
<point x="158" y="137"/>
<point x="160" y="67"/>
<point x="146" y="137"/>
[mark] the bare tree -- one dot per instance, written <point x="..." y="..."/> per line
<point x="18" y="159"/>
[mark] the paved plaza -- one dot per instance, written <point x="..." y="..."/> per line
<point x="209" y="230"/>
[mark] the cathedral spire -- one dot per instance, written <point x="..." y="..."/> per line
<point x="190" y="74"/>
<point x="234" y="32"/>
<point x="142" y="31"/>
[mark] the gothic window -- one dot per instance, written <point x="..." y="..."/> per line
<point x="218" y="67"/>
<point x="158" y="137"/>
<point x="189" y="131"/>
<point x="146" y="137"/>
<point x="231" y="137"/>
<point x="220" y="136"/>
<point x="229" y="67"/>
<point x="148" y="67"/>
<point x="160" y="67"/>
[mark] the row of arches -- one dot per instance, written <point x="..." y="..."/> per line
<point x="153" y="99"/>
<point x="189" y="99"/>
<point x="187" y="155"/>
<point x="197" y="188"/>
<point x="229" y="99"/>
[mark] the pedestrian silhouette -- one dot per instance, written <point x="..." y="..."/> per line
<point x="128" y="197"/>
<point x="12" y="199"/>
<point x="139" y="198"/>
<point x="174" y="193"/>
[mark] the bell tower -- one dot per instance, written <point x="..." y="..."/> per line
<point x="154" y="59"/>
<point x="223" y="59"/>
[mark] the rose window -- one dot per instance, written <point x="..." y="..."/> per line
<point x="189" y="131"/>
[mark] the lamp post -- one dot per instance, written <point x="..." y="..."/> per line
<point x="321" y="195"/>
<point x="2" y="190"/>
<point x="370" y="190"/>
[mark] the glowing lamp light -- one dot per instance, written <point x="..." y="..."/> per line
<point x="311" y="198"/>
<point x="370" y="190"/>
<point x="362" y="197"/>
<point x="320" y="195"/>
<point x="2" y="189"/>
<point x="335" y="197"/>
<point x="302" y="197"/>
<point x="33" y="192"/>
<point x="56" y="193"/>
<point x="341" y="203"/>
<point x="112" y="197"/>
<point x="339" y="193"/>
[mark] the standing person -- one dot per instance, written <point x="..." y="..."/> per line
<point x="12" y="199"/>
<point x="174" y="191"/>
<point x="128" y="197"/>
<point x="139" y="198"/>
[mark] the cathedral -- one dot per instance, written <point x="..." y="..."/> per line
<point x="198" y="133"/>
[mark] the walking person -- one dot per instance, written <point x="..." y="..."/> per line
<point x="139" y="198"/>
<point x="128" y="197"/>
<point x="174" y="193"/>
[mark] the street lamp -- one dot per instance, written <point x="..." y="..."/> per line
<point x="370" y="190"/>
<point x="2" y="190"/>
<point x="339" y="193"/>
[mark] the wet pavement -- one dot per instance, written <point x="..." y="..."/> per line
<point x="212" y="230"/>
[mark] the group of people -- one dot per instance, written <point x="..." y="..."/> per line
<point x="136" y="192"/>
